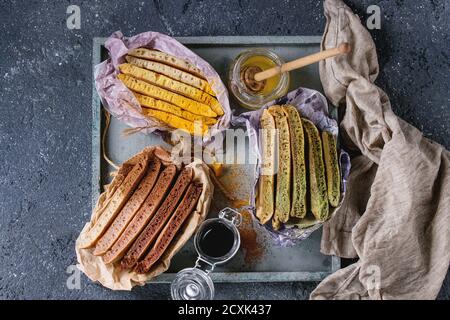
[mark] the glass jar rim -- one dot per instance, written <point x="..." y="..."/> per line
<point x="226" y="257"/>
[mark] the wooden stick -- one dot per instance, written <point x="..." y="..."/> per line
<point x="343" y="48"/>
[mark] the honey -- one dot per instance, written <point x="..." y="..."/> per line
<point x="263" y="63"/>
<point x="252" y="94"/>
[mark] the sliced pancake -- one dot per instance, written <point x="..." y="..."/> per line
<point x="283" y="184"/>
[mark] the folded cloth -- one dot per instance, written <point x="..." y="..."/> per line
<point x="396" y="215"/>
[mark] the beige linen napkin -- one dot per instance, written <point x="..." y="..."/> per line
<point x="396" y="215"/>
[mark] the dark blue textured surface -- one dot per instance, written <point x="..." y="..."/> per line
<point x="45" y="119"/>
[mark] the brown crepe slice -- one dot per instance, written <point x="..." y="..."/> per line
<point x="130" y="208"/>
<point x="142" y="217"/>
<point x="146" y="238"/>
<point x="118" y="200"/>
<point x="164" y="239"/>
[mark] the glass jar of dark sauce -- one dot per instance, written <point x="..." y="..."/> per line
<point x="216" y="241"/>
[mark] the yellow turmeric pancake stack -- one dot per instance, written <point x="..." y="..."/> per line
<point x="171" y="90"/>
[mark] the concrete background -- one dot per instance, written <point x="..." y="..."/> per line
<point x="45" y="116"/>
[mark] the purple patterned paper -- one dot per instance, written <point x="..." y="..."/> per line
<point x="313" y="106"/>
<point x="120" y="101"/>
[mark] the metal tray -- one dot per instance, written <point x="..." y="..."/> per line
<point x="302" y="262"/>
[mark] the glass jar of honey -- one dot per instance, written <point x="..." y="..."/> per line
<point x="249" y="93"/>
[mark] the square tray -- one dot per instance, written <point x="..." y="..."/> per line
<point x="302" y="262"/>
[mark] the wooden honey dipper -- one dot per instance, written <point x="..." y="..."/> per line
<point x="254" y="77"/>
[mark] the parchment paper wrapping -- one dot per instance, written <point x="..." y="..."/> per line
<point x="121" y="102"/>
<point x="111" y="276"/>
<point x="313" y="106"/>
